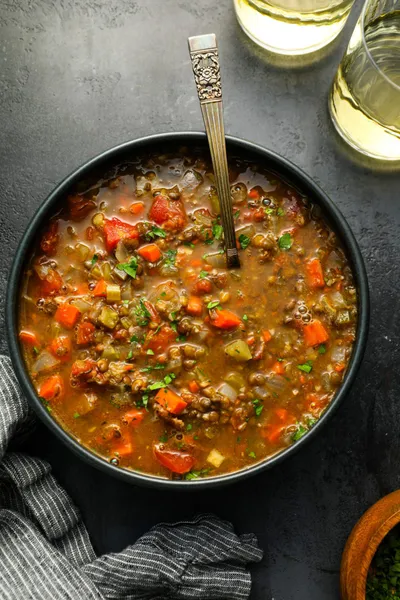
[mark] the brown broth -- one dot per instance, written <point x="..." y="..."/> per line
<point x="280" y="391"/>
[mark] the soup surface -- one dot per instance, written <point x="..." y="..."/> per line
<point x="153" y="355"/>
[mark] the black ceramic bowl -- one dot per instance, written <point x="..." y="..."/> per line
<point x="94" y="170"/>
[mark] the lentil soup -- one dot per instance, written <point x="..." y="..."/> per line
<point x="153" y="355"/>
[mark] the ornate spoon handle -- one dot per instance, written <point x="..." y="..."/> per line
<point x="205" y="63"/>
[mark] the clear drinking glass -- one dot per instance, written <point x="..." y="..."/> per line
<point x="365" y="97"/>
<point x="292" y="27"/>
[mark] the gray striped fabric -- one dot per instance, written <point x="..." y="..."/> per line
<point x="45" y="550"/>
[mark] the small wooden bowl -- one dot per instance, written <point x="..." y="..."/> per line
<point x="363" y="542"/>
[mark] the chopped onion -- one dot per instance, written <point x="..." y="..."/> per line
<point x="45" y="362"/>
<point x="126" y="293"/>
<point x="228" y="391"/>
<point x="81" y="304"/>
<point x="216" y="260"/>
<point x="261" y="392"/>
<point x="121" y="252"/>
<point x="338" y="354"/>
<point x="277" y="383"/>
<point x="248" y="230"/>
<point x="337" y="300"/>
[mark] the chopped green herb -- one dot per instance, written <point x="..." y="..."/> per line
<point x="383" y="579"/>
<point x="213" y="304"/>
<point x="190" y="244"/>
<point x="170" y="257"/>
<point x="46" y="404"/>
<point x="306" y="367"/>
<point x="181" y="338"/>
<point x="150" y="352"/>
<point x="209" y="241"/>
<point x="279" y="359"/>
<point x="196" y="474"/>
<point x="158" y="385"/>
<point x="245" y="318"/>
<point x="36" y="350"/>
<point x="311" y="422"/>
<point x="280" y="212"/>
<point x="300" y="431"/>
<point x="130" y="354"/>
<point x="142" y="314"/>
<point x="189" y="427"/>
<point x="94" y="259"/>
<point x="236" y="214"/>
<point x="164" y="437"/>
<point x="135" y="339"/>
<point x="155" y="232"/>
<point x="217" y="231"/>
<point x="238" y="439"/>
<point x="195" y="437"/>
<point x="258" y="407"/>
<point x="152" y="368"/>
<point x="252" y="455"/>
<point x="203" y="274"/>
<point x="130" y="268"/>
<point x="126" y="302"/>
<point x="244" y="241"/>
<point x="76" y="415"/>
<point x="321" y="349"/>
<point x="285" y="241"/>
<point x="142" y="403"/>
<point x="269" y="211"/>
<point x="174" y="326"/>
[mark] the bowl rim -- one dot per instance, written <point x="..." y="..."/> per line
<point x="273" y="162"/>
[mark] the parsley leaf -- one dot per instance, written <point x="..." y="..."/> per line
<point x="142" y="314"/>
<point x="244" y="241"/>
<point x="94" y="259"/>
<point x="300" y="431"/>
<point x="190" y="244"/>
<point x="280" y="212"/>
<point x="130" y="354"/>
<point x="76" y="415"/>
<point x="164" y="437"/>
<point x="213" y="304"/>
<point x="189" y="427"/>
<point x="236" y="214"/>
<point x="258" y="407"/>
<point x="285" y="241"/>
<point x="130" y="268"/>
<point x="252" y="455"/>
<point x="196" y="474"/>
<point x="155" y="232"/>
<point x="269" y="211"/>
<point x="203" y="274"/>
<point x="46" y="404"/>
<point x="217" y="231"/>
<point x="245" y="318"/>
<point x="306" y="367"/>
<point x="170" y="257"/>
<point x="150" y="352"/>
<point x="321" y="349"/>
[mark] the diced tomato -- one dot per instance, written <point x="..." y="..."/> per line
<point x="151" y="252"/>
<point x="254" y="194"/>
<point x="28" y="338"/>
<point x="51" y="283"/>
<point x="50" y="239"/>
<point x="315" y="274"/>
<point x="133" y="417"/>
<point x="194" y="306"/>
<point x="225" y="319"/>
<point x="100" y="289"/>
<point x="170" y="213"/>
<point x="177" y="462"/>
<point x="315" y="403"/>
<point x="84" y="334"/>
<point x="315" y="333"/>
<point x="80" y="207"/>
<point x="203" y="286"/>
<point x="67" y="315"/>
<point x="52" y="389"/>
<point x="170" y="400"/>
<point x="158" y="342"/>
<point x="61" y="347"/>
<point x="116" y="230"/>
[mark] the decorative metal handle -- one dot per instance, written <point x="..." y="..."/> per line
<point x="205" y="63"/>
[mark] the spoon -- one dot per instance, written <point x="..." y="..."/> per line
<point x="205" y="64"/>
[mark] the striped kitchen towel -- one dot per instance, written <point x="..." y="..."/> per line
<point x="46" y="553"/>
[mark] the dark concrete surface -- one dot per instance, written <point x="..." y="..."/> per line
<point x="78" y="76"/>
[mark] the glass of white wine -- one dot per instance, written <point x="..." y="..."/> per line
<point x="365" y="97"/>
<point x="292" y="27"/>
